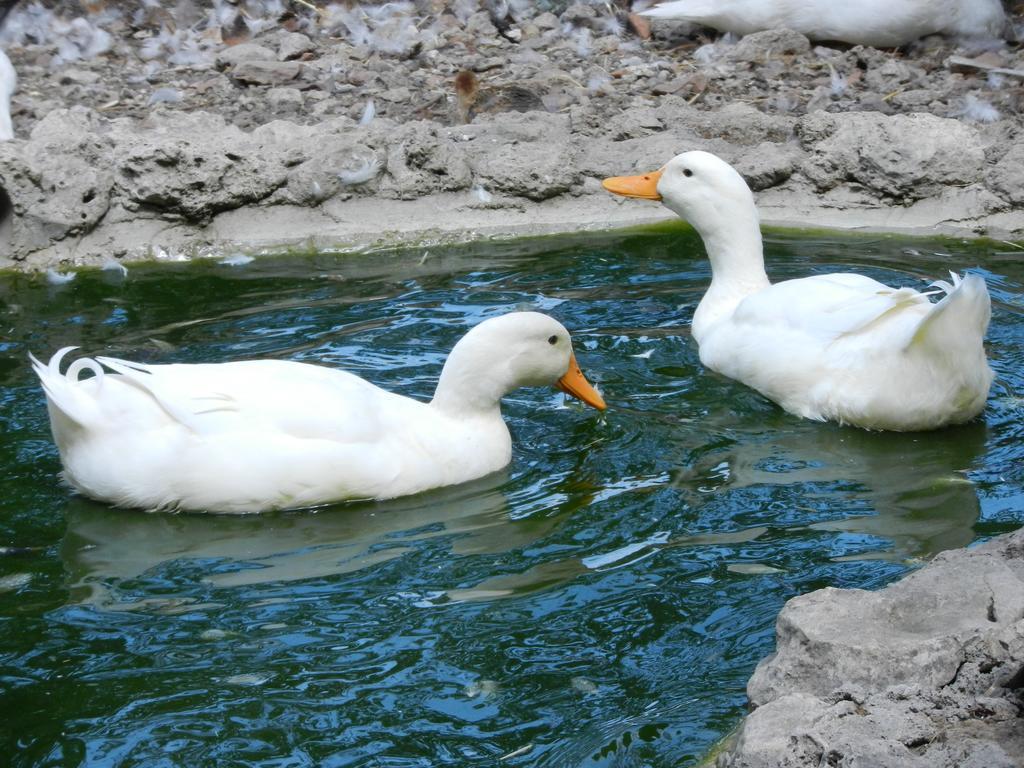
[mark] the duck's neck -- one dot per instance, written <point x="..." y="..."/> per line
<point x="737" y="269"/>
<point x="465" y="390"/>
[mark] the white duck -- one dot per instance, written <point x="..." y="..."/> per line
<point x="839" y="347"/>
<point x="8" y="82"/>
<point x="881" y="23"/>
<point x="259" y="435"/>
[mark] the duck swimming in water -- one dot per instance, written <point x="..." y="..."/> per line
<point x="840" y="347"/>
<point x="259" y="435"/>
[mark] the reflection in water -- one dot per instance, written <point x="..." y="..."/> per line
<point x="916" y="486"/>
<point x="104" y="546"/>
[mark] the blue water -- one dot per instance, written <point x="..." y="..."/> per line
<point x="600" y="603"/>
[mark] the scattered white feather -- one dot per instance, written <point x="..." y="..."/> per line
<point x="996" y="80"/>
<point x="181" y="48"/>
<point x="837" y="83"/>
<point x="583" y="41"/>
<point x="369" y="112"/>
<point x="165" y="96"/>
<point x="610" y="25"/>
<point x="645" y="355"/>
<point x="713" y="52"/>
<point x="112" y="265"/>
<point x="362" y="173"/>
<point x="978" y="110"/>
<point x="236" y="260"/>
<point x="482" y="194"/>
<point x="598" y="83"/>
<point x="53" y="277"/>
<point x="162" y="255"/>
<point x="463" y="9"/>
<point x="28" y="24"/>
<point x="78" y="40"/>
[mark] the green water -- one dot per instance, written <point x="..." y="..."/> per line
<point x="600" y="603"/>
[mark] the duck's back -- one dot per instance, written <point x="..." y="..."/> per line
<point x="847" y="348"/>
<point x="234" y="437"/>
<point x="881" y="23"/>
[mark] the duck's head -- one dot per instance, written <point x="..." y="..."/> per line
<point x="699" y="187"/>
<point x="519" y="349"/>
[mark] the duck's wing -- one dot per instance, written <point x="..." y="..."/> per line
<point x="294" y="399"/>
<point x="828" y="307"/>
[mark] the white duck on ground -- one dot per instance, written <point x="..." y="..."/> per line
<point x="840" y="347"/>
<point x="880" y="23"/>
<point x="8" y="83"/>
<point x="260" y="435"/>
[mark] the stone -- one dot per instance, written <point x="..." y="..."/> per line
<point x="284" y="99"/>
<point x="907" y="157"/>
<point x="762" y="46"/>
<point x="59" y="183"/>
<point x="547" y="21"/>
<point x="579" y="14"/>
<point x="634" y="123"/>
<point x="1006" y="177"/>
<point x="293" y="45"/>
<point x="526" y="154"/>
<point x="192" y="165"/>
<point x="266" y="72"/>
<point x="736" y="123"/>
<point x="767" y="164"/>
<point x="925" y="673"/>
<point x="421" y="159"/>
<point x="236" y="54"/>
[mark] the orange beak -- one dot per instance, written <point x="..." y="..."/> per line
<point x="645" y="186"/>
<point x="574" y="383"/>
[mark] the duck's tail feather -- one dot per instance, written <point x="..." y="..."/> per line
<point x="141" y="375"/>
<point x="64" y="391"/>
<point x="960" y="319"/>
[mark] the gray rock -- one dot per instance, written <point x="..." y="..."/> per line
<point x="230" y="57"/>
<point x="421" y="160"/>
<point x="284" y="99"/>
<point x="59" y="182"/>
<point x="546" y="21"/>
<point x="192" y="165"/>
<point x="293" y="45"/>
<point x="1006" y="178"/>
<point x="578" y="13"/>
<point x="761" y="46"/>
<point x="266" y="72"/>
<point x="634" y="123"/>
<point x="925" y="673"/>
<point x="767" y="164"/>
<point x="904" y="156"/>
<point x="529" y="155"/>
<point x="735" y="123"/>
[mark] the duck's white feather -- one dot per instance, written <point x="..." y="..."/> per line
<point x="840" y="347"/>
<point x="881" y="23"/>
<point x="269" y="434"/>
<point x="849" y="349"/>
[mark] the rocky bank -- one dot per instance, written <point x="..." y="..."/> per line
<point x="146" y="132"/>
<point x="927" y="672"/>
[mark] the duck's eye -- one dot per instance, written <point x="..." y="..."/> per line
<point x="553" y="340"/>
<point x="687" y="172"/>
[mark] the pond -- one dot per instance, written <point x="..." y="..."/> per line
<point x="600" y="603"/>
